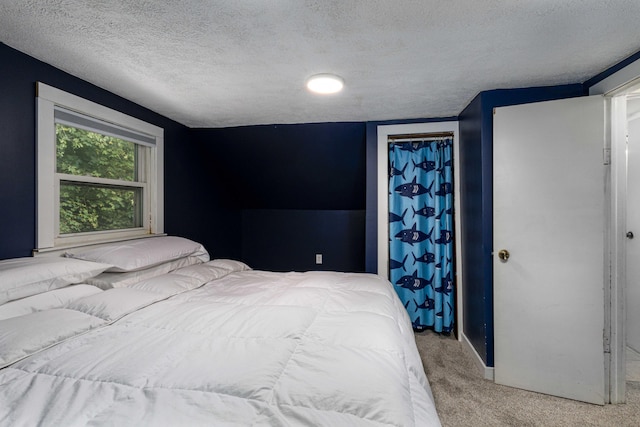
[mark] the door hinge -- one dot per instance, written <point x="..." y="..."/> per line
<point x="606" y="154"/>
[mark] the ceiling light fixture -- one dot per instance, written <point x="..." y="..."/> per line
<point x="325" y="83"/>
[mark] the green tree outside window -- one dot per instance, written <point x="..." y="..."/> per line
<point x="87" y="207"/>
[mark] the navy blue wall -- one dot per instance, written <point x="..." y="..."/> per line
<point x="473" y="238"/>
<point x="476" y="168"/>
<point x="285" y="240"/>
<point x="183" y="189"/>
<point x="197" y="205"/>
<point x="300" y="189"/>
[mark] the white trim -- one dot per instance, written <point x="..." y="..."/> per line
<point x="487" y="372"/>
<point x="48" y="98"/>
<point x="616" y="87"/>
<point x="157" y="186"/>
<point x="608" y="278"/>
<point x="46" y="194"/>
<point x="96" y="180"/>
<point x="616" y="369"/>
<point x="384" y="131"/>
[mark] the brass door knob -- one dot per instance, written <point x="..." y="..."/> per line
<point x="503" y="254"/>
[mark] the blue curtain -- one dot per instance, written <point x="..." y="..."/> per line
<point x="421" y="230"/>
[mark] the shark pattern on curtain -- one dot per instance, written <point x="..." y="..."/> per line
<point x="421" y="230"/>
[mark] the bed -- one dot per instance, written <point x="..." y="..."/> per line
<point x="206" y="342"/>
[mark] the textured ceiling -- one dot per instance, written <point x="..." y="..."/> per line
<point x="208" y="63"/>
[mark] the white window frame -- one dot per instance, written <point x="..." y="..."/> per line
<point x="48" y="99"/>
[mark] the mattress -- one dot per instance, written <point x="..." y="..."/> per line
<point x="206" y="345"/>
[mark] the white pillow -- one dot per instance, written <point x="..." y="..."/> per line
<point x="139" y="254"/>
<point x="120" y="280"/>
<point x="112" y="304"/>
<point x="23" y="277"/>
<point x="45" y="301"/>
<point x="168" y="284"/>
<point x="24" y="335"/>
<point x="203" y="272"/>
<point x="230" y="264"/>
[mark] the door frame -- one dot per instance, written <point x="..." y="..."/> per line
<point x="615" y="88"/>
<point x="384" y="131"/>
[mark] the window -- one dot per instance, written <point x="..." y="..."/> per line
<point x="99" y="172"/>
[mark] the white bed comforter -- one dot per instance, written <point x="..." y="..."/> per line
<point x="248" y="348"/>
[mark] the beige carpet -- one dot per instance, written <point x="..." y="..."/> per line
<point x="464" y="398"/>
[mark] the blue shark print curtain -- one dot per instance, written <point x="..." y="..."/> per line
<point x="421" y="230"/>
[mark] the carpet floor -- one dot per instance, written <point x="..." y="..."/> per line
<point x="464" y="398"/>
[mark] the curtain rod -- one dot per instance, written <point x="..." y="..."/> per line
<point x="420" y="136"/>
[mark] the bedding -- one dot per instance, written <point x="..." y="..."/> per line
<point x="46" y="300"/>
<point x="109" y="280"/>
<point x="219" y="344"/>
<point x="24" y="277"/>
<point x="134" y="255"/>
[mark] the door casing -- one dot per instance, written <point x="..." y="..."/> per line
<point x="615" y="88"/>
<point x="384" y="131"/>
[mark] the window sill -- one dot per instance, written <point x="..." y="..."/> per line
<point x="59" y="250"/>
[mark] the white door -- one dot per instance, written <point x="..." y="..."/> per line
<point x="632" y="299"/>
<point x="549" y="208"/>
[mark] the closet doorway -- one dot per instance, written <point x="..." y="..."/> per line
<point x="632" y="351"/>
<point x="622" y="89"/>
<point x="407" y="133"/>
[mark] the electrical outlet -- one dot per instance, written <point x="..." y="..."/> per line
<point x="318" y="258"/>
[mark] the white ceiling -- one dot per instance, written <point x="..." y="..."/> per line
<point x="208" y="63"/>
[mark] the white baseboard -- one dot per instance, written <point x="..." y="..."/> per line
<point x="485" y="371"/>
